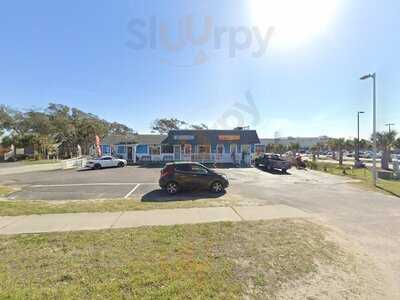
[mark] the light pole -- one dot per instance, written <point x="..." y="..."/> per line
<point x="358" y="136"/>
<point x="390" y="126"/>
<point x="365" y="77"/>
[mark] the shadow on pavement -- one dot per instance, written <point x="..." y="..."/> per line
<point x="151" y="166"/>
<point x="275" y="172"/>
<point x="162" y="196"/>
<point x="94" y="170"/>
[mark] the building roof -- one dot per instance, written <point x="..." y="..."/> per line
<point x="146" y="139"/>
<point x="150" y="139"/>
<point x="205" y="137"/>
<point x="119" y="139"/>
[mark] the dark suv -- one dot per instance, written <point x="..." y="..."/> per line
<point x="176" y="177"/>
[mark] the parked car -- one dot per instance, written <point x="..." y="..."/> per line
<point x="272" y="162"/>
<point x="106" y="162"/>
<point x="181" y="176"/>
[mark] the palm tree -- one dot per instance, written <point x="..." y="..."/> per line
<point x="397" y="144"/>
<point x="337" y="145"/>
<point x="385" y="142"/>
<point x="365" y="144"/>
<point x="295" y="147"/>
<point x="350" y="145"/>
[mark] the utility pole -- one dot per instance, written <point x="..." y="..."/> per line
<point x="390" y="126"/>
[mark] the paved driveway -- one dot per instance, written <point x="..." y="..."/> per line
<point x="128" y="182"/>
<point x="371" y="219"/>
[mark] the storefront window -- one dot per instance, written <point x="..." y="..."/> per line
<point x="141" y="149"/>
<point x="187" y="149"/>
<point x="155" y="150"/>
<point x="220" y="149"/>
<point x="121" y="149"/>
<point x="167" y="149"/>
<point x="233" y="148"/>
<point x="246" y="149"/>
<point x="204" y="148"/>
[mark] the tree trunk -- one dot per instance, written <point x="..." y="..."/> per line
<point x="340" y="157"/>
<point x="385" y="159"/>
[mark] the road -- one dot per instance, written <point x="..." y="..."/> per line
<point x="370" y="219"/>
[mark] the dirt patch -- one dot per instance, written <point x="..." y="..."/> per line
<point x="353" y="275"/>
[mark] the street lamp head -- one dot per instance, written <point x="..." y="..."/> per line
<point x="361" y="112"/>
<point x="365" y="77"/>
<point x="368" y="76"/>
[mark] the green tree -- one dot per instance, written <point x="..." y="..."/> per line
<point x="365" y="145"/>
<point x="385" y="142"/>
<point x="397" y="144"/>
<point x="40" y="129"/>
<point x="349" y="145"/>
<point x="276" y="148"/>
<point x="163" y="126"/>
<point x="295" y="147"/>
<point x="337" y="145"/>
<point x="119" y="129"/>
<point x="68" y="127"/>
<point x="202" y="126"/>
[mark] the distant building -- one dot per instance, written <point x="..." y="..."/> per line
<point x="304" y="142"/>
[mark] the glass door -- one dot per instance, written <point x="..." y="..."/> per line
<point x="177" y="152"/>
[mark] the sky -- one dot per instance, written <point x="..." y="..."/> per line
<point x="285" y="70"/>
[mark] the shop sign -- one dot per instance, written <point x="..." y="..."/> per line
<point x="229" y="138"/>
<point x="183" y="137"/>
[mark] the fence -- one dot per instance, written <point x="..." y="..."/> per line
<point x="198" y="157"/>
<point x="74" y="163"/>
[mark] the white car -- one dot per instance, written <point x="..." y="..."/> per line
<point x="106" y="162"/>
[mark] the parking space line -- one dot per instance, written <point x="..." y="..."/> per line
<point x="132" y="191"/>
<point x="90" y="184"/>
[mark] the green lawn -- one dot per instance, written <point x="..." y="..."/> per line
<point x="5" y="191"/>
<point x="209" y="261"/>
<point x="24" y="207"/>
<point x="365" y="175"/>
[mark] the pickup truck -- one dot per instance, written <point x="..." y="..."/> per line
<point x="272" y="162"/>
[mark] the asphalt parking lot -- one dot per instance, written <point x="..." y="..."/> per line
<point x="142" y="184"/>
<point x="129" y="182"/>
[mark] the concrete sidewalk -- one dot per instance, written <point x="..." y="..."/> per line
<point x="30" y="168"/>
<point x="131" y="219"/>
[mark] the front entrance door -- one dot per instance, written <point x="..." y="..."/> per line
<point x="233" y="150"/>
<point x="130" y="153"/>
<point x="187" y="152"/>
<point x="177" y="152"/>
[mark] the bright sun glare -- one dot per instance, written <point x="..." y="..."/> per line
<point x="295" y="21"/>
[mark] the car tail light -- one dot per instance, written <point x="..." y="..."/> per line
<point x="168" y="170"/>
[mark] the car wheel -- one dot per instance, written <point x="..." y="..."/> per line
<point x="121" y="165"/>
<point x="284" y="171"/>
<point x="217" y="187"/>
<point x="97" y="166"/>
<point x="172" y="188"/>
